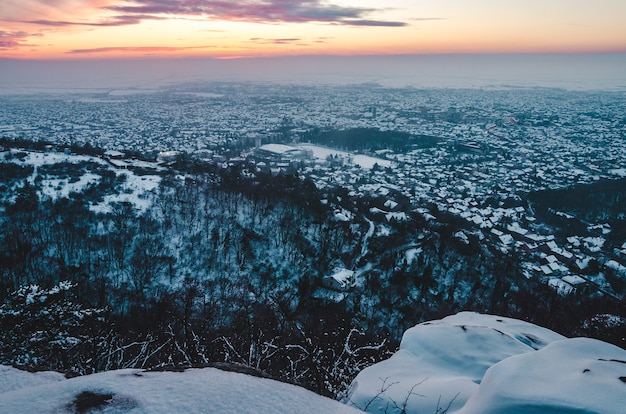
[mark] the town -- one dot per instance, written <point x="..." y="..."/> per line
<point x="484" y="156"/>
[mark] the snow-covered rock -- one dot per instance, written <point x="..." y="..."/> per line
<point x="576" y="376"/>
<point x="442" y="362"/>
<point x="205" y="390"/>
<point x="13" y="379"/>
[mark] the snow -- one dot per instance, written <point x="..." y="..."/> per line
<point x="444" y="361"/>
<point x="343" y="276"/>
<point x="383" y="230"/>
<point x="389" y="216"/>
<point x="583" y="263"/>
<point x="506" y="239"/>
<point x="594" y="244"/>
<point x="412" y="254"/>
<point x="620" y="172"/>
<point x="13" y="379"/>
<point x="58" y="188"/>
<point x="390" y="204"/>
<point x="364" y="161"/>
<point x="563" y="288"/>
<point x="277" y="148"/>
<point x="574" y="280"/>
<point x="341" y="217"/>
<point x="135" y="190"/>
<point x="462" y="237"/>
<point x="612" y="264"/>
<point x="608" y="320"/>
<point x="113" y="153"/>
<point x="39" y="159"/>
<point x="579" y="375"/>
<point x="484" y="364"/>
<point x="400" y="216"/>
<point x="136" y="391"/>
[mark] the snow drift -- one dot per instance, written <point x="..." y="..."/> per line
<point x="206" y="390"/>
<point x="578" y="375"/>
<point x="471" y="363"/>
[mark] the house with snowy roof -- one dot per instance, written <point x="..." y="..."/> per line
<point x="340" y="279"/>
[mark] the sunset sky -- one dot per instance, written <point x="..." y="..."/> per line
<point x="70" y="29"/>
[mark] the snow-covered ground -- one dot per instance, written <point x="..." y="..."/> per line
<point x="205" y="390"/>
<point x="578" y="375"/>
<point x="473" y="364"/>
<point x="463" y="364"/>
<point x="13" y="379"/>
<point x="39" y="159"/>
<point x="364" y="161"/>
<point x="56" y="188"/>
<point x="136" y="189"/>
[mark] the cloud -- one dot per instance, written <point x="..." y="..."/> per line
<point x="113" y="21"/>
<point x="260" y="11"/>
<point x="12" y="40"/>
<point x="279" y="41"/>
<point x="322" y="39"/>
<point x="103" y="13"/>
<point x="377" y="23"/>
<point x="134" y="49"/>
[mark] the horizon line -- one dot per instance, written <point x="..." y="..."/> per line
<point x="314" y="55"/>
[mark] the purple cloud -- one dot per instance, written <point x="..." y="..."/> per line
<point x="12" y="40"/>
<point x="279" y="41"/>
<point x="259" y="11"/>
<point x="114" y="21"/>
<point x="262" y="11"/>
<point x="377" y="23"/>
<point x="135" y="49"/>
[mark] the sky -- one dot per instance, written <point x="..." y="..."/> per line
<point x="225" y="29"/>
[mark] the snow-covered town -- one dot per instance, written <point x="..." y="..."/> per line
<point x="475" y="154"/>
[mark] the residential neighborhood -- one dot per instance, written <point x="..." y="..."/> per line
<point x="476" y="154"/>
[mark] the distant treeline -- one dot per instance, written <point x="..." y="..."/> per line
<point x="85" y="149"/>
<point x="371" y="139"/>
<point x="602" y="201"/>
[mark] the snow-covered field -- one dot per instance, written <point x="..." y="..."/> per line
<point x="364" y="161"/>
<point x="206" y="390"/>
<point x="475" y="364"/>
<point x="39" y="159"/>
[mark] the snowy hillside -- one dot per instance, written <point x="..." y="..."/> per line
<point x="205" y="390"/>
<point x="441" y="367"/>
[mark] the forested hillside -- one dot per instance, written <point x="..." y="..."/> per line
<point x="104" y="267"/>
